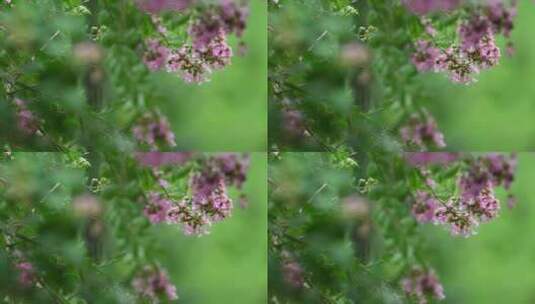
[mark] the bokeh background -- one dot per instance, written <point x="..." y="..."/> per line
<point x="495" y="265"/>
<point x="229" y="265"/>
<point x="226" y="266"/>
<point x="229" y="113"/>
<point x="496" y="113"/>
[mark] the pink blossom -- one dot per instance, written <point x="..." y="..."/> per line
<point x="422" y="159"/>
<point x="158" y="159"/>
<point x="424" y="207"/>
<point x="27" y="274"/>
<point x="422" y="7"/>
<point x="154" y="129"/>
<point x="423" y="285"/>
<point x="26" y="120"/>
<point x="426" y="56"/>
<point x="153" y="283"/>
<point x="156" y="6"/>
<point x="157" y="208"/>
<point x="156" y="55"/>
<point x="421" y="131"/>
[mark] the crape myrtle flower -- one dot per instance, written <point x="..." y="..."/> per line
<point x="477" y="49"/>
<point x="208" y="50"/>
<point x="189" y="64"/>
<point x="461" y="222"/>
<point x="426" y="56"/>
<point x="156" y="55"/>
<point x="153" y="129"/>
<point x="217" y="54"/>
<point x="422" y="7"/>
<point x="476" y="202"/>
<point x="27" y="122"/>
<point x="421" y="132"/>
<point x="156" y="6"/>
<point x="424" y="207"/>
<point x="222" y="19"/>
<point x="423" y="285"/>
<point x="292" y="272"/>
<point x="208" y="201"/>
<point x="157" y="208"/>
<point x="153" y="284"/>
<point x="158" y="159"/>
<point x="422" y="159"/>
<point x="26" y="273"/>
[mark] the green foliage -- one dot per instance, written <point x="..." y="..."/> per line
<point x="350" y="229"/>
<point x="85" y="255"/>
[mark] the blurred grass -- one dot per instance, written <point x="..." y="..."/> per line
<point x="230" y="112"/>
<point x="496" y="113"/>
<point x="495" y="265"/>
<point x="230" y="264"/>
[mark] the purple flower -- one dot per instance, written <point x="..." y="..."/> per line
<point x="426" y="56"/>
<point x="153" y="129"/>
<point x="153" y="284"/>
<point x="158" y="159"/>
<point x="477" y="47"/>
<point x="189" y="64"/>
<point x="156" y="55"/>
<point x="26" y="120"/>
<point x="424" y="207"/>
<point x="209" y="201"/>
<point x="421" y="132"/>
<point x="156" y="6"/>
<point x="293" y="274"/>
<point x="233" y="17"/>
<point x="422" y="7"/>
<point x="501" y="17"/>
<point x="233" y="167"/>
<point x="157" y="208"/>
<point x="422" y="159"/>
<point x="484" y="206"/>
<point x="422" y="285"/>
<point x="217" y="53"/>
<point x="27" y="273"/>
<point x="225" y="18"/>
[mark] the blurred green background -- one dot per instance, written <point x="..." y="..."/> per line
<point x="229" y="265"/>
<point x="229" y="113"/>
<point x="494" y="266"/>
<point x="496" y="113"/>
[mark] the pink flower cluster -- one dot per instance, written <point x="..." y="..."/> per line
<point x="422" y="7"/>
<point x="153" y="283"/>
<point x="223" y="19"/>
<point x="156" y="6"/>
<point x="422" y="159"/>
<point x="157" y="159"/>
<point x="209" y="202"/>
<point x="208" y="51"/>
<point x="292" y="272"/>
<point x="154" y="130"/>
<point x="421" y="132"/>
<point x="26" y="120"/>
<point x="477" y="49"/>
<point x="423" y="285"/>
<point x="27" y="273"/>
<point x="476" y="203"/>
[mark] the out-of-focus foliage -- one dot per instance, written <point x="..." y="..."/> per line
<point x="345" y="232"/>
<point x="494" y="114"/>
<point x="491" y="267"/>
<point x="342" y="72"/>
<point x="80" y="225"/>
<point x="78" y="67"/>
